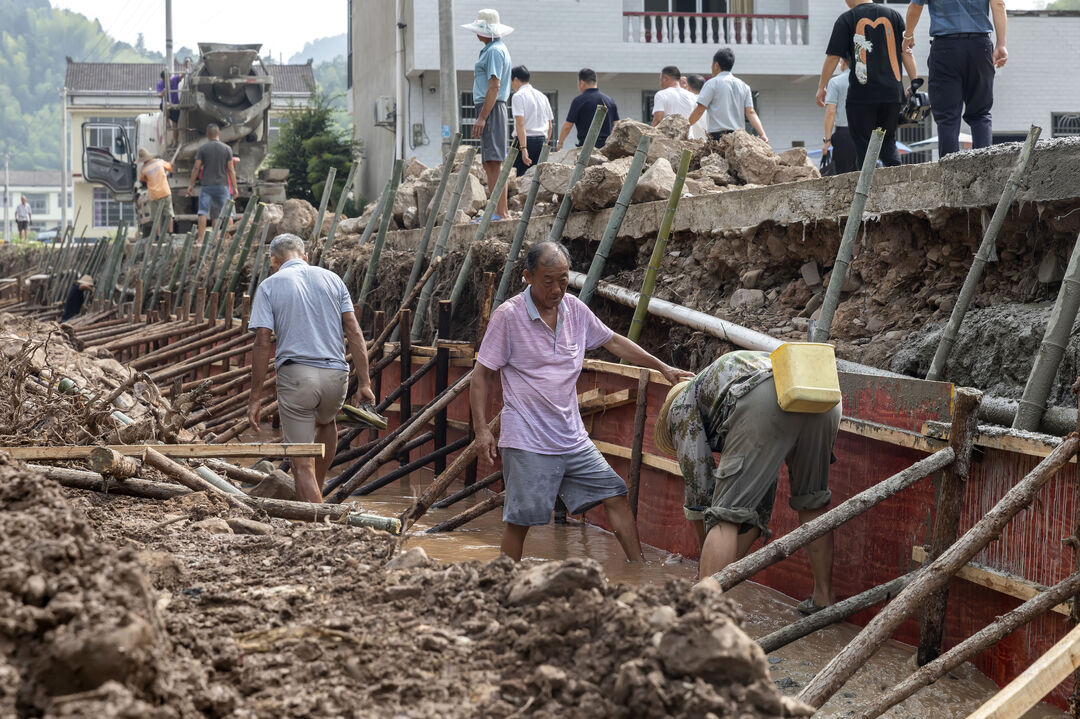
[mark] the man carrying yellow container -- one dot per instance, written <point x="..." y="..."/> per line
<point x="731" y="407"/>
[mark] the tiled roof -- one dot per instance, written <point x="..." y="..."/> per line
<point x="99" y="78"/>
<point x="34" y="178"/>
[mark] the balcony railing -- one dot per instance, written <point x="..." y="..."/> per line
<point x="684" y="28"/>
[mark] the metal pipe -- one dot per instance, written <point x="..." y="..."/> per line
<point x="559" y="224"/>
<point x="616" y="219"/>
<point x="522" y="226"/>
<point x="847" y="242"/>
<point x="971" y="282"/>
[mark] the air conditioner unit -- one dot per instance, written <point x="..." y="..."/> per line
<point x="385" y="111"/>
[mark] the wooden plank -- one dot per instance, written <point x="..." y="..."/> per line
<point x="1029" y="443"/>
<point x="590" y="395"/>
<point x="1002" y="582"/>
<point x="1037" y="681"/>
<point x="891" y="435"/>
<point x="456" y="350"/>
<point x="656" y="462"/>
<point x="623" y="370"/>
<point x="608" y="401"/>
<point x="246" y="449"/>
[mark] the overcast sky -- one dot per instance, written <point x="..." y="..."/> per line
<point x="282" y="27"/>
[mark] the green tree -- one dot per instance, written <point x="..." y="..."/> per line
<point x="1064" y="5"/>
<point x="309" y="144"/>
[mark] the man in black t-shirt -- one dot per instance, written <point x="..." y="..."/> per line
<point x="584" y="107"/>
<point x="871" y="38"/>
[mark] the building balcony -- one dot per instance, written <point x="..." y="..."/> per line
<point x="684" y="28"/>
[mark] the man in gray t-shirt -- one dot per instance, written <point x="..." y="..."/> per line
<point x="837" y="134"/>
<point x="310" y="312"/>
<point x="214" y="160"/>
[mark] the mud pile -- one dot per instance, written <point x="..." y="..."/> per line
<point x="110" y="610"/>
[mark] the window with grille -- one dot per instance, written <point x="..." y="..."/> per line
<point x="106" y="136"/>
<point x="1064" y="124"/>
<point x="38" y="201"/>
<point x="647" y="97"/>
<point x="108" y="212"/>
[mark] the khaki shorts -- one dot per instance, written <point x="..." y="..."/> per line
<point x="308" y="396"/>
<point x="167" y="209"/>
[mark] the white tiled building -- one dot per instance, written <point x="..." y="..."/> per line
<point x="42" y="191"/>
<point x="779" y="47"/>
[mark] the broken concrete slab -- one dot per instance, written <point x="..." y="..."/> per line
<point x="655" y="183"/>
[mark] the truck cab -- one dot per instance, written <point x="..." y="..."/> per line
<point x="109" y="159"/>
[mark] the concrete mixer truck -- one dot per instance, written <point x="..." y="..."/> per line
<point x="229" y="86"/>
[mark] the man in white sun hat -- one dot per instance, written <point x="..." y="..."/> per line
<point x="491" y="90"/>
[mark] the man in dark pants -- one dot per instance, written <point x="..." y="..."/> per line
<point x="583" y="108"/>
<point x="532" y="118"/>
<point x="77" y="297"/>
<point x="870" y="38"/>
<point x="961" y="65"/>
<point x="837" y="134"/>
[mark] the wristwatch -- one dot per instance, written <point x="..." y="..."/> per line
<point x="825" y="139"/>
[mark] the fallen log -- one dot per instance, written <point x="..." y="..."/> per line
<point x="240" y="449"/>
<point x="468" y="491"/>
<point x="110" y="463"/>
<point x="242" y="474"/>
<point x="188" y="478"/>
<point x="281" y="508"/>
<point x="791" y="542"/>
<point x="934" y="576"/>
<point x="989" y="635"/>
<point x="480" y="508"/>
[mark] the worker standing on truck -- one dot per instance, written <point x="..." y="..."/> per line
<point x="310" y="311"/>
<point x="214" y="159"/>
<point x="535" y="344"/>
<point x="155" y="173"/>
<point x="731" y="407"/>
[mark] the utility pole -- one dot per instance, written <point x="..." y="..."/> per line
<point x="168" y="50"/>
<point x="448" y="93"/>
<point x="7" y="197"/>
<point x="63" y="159"/>
<point x="400" y="136"/>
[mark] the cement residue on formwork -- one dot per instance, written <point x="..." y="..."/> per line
<point x="994" y="351"/>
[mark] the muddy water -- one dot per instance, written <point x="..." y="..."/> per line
<point x="765" y="610"/>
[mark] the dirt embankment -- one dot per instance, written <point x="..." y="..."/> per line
<point x="107" y="611"/>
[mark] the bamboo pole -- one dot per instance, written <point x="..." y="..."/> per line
<point x="230" y="287"/>
<point x="243" y="425"/>
<point x="256" y="266"/>
<point x="649" y="283"/>
<point x="281" y="508"/>
<point x="188" y="478"/>
<point x="238" y="236"/>
<point x="378" y="342"/>
<point x="371" y="226"/>
<point x="480" y="508"/>
<point x="834" y="613"/>
<point x="164" y="257"/>
<point x="559" y="224"/>
<point x="410" y="467"/>
<point x="380" y="239"/>
<point x="395" y="445"/>
<point x="791" y="542"/>
<point x="615" y="220"/>
<point x="947" y="507"/>
<point x="112" y="268"/>
<point x="328" y="187"/>
<point x="339" y="208"/>
<point x="986" y="247"/>
<point x="440" y="243"/>
<point x="519" y="232"/>
<point x="935" y="575"/>
<point x="481" y="229"/>
<point x="429" y="224"/>
<point x="1032" y="404"/>
<point x="847" y="241"/>
<point x="181" y="264"/>
<point x="221" y="227"/>
<point x="637" y="453"/>
<point x="988" y="636"/>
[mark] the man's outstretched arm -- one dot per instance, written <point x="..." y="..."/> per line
<point x="630" y="351"/>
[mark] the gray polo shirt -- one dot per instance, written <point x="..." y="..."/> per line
<point x="725" y="98"/>
<point x="303" y="305"/>
<point x="836" y="94"/>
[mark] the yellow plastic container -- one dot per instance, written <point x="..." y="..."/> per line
<point x="805" y="377"/>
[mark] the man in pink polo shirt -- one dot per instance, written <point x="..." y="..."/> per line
<point x="536" y="344"/>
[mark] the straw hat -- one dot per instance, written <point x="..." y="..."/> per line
<point x="144" y="156"/>
<point x="661" y="431"/>
<point x="487" y="24"/>
<point x="86" y="280"/>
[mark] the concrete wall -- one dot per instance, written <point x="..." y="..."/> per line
<point x="373" y="75"/>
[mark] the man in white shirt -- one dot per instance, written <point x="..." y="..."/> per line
<point x="672" y="99"/>
<point x="532" y="118"/>
<point x="699" y="130"/>
<point x="725" y="100"/>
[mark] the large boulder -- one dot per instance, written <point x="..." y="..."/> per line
<point x="720" y="654"/>
<point x="599" y="187"/>
<point x="794" y="157"/>
<point x="624" y="138"/>
<point x="786" y="173"/>
<point x="675" y="127"/>
<point x="715" y="168"/>
<point x="554" y="178"/>
<point x="414" y="168"/>
<point x="298" y="218"/>
<point x="473" y="197"/>
<point x="752" y="158"/>
<point x="669" y="149"/>
<point x="656" y="183"/>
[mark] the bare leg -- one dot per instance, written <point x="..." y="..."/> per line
<point x="625" y="526"/>
<point x="720" y="549"/>
<point x="492" y="169"/>
<point x="513" y="540"/>
<point x="307" y="490"/>
<point x="202" y="228"/>
<point x="746" y="539"/>
<point x="326" y="435"/>
<point x="821" y="560"/>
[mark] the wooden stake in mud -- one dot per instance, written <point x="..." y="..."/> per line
<point x="485" y="306"/>
<point x="442" y="377"/>
<point x="559" y="224"/>
<point x="982" y="257"/>
<point x="935" y="575"/>
<point x="596" y="268"/>
<point x="847" y="242"/>
<point x="376" y="345"/>
<point x="967" y="649"/>
<point x="479" y="509"/>
<point x="522" y="226"/>
<point x="647" y="285"/>
<point x="636" y="453"/>
<point x="380" y="239"/>
<point x="949" y="501"/>
<point x="468" y="491"/>
<point x="376" y="380"/>
<point x="406" y="368"/>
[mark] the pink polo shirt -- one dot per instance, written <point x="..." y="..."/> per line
<point x="539" y="370"/>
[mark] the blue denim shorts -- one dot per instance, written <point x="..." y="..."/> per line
<point x="212" y="199"/>
<point x="583" y="479"/>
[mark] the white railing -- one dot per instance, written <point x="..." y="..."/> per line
<point x="714" y="28"/>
